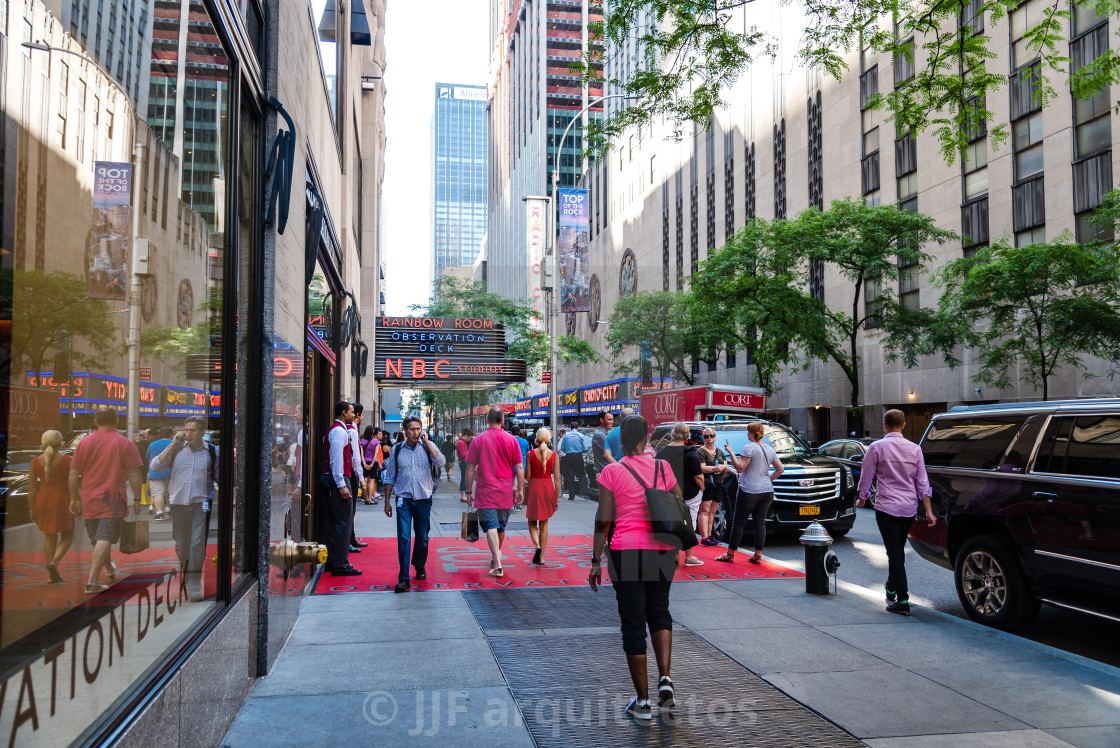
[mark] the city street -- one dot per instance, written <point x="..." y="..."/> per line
<point x="864" y="562"/>
<point x="756" y="660"/>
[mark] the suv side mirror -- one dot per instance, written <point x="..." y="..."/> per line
<point x="856" y="458"/>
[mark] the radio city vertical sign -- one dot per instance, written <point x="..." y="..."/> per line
<point x="536" y="224"/>
<point x="443" y="352"/>
<point x="575" y="283"/>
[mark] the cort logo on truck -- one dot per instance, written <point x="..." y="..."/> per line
<point x="737" y="400"/>
<point x="665" y="405"/>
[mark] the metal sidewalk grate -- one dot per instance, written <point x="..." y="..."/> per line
<point x="525" y="609"/>
<point x="571" y="689"/>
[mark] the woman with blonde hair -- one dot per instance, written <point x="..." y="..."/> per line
<point x="48" y="495"/>
<point x="756" y="490"/>
<point x="543" y="480"/>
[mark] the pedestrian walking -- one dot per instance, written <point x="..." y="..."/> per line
<point x="461" y="448"/>
<point x="614" y="436"/>
<point x="103" y="463"/>
<point x="157" y="479"/>
<point x="495" y="483"/>
<point x="523" y="444"/>
<point x="544" y="491"/>
<point x="641" y="568"/>
<point x="573" y="446"/>
<point x="599" y="451"/>
<point x="357" y="477"/>
<point x="192" y="464"/>
<point x="408" y="473"/>
<point x="48" y="496"/>
<point x="371" y="450"/>
<point x="755" y="491"/>
<point x="896" y="463"/>
<point x="449" y="454"/>
<point x="714" y="464"/>
<point x="338" y="470"/>
<point x="689" y="473"/>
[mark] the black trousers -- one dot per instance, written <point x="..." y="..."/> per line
<point x="755" y="505"/>
<point x="336" y="527"/>
<point x="353" y="539"/>
<point x="641" y="579"/>
<point x="895" y="531"/>
<point x="571" y="468"/>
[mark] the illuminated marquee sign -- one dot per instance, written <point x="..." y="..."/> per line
<point x="615" y="394"/>
<point x="443" y="352"/>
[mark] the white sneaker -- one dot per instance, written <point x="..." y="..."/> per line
<point x="639" y="710"/>
<point x="693" y="561"/>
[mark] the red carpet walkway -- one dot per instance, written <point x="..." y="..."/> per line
<point x="455" y="564"/>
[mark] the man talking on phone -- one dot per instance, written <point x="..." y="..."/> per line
<point x="898" y="465"/>
<point x="193" y="466"/>
<point x="408" y="473"/>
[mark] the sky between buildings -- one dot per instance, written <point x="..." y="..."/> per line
<point x="437" y="40"/>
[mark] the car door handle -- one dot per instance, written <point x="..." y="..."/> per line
<point x="1045" y="496"/>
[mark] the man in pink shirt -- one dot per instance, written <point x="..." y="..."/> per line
<point x="494" y="460"/>
<point x="901" y="472"/>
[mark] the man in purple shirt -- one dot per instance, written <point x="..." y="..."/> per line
<point x="901" y="472"/>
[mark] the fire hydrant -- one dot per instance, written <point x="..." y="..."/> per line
<point x="820" y="562"/>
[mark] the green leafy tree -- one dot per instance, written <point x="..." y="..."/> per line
<point x="1043" y="306"/>
<point x="747" y="297"/>
<point x="658" y="319"/>
<point x="49" y="309"/>
<point x="696" y="50"/>
<point x="173" y="344"/>
<point x="863" y="243"/>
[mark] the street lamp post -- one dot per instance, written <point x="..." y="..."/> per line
<point x="138" y="156"/>
<point x="554" y="313"/>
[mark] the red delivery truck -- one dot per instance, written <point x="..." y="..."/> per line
<point x="701" y="402"/>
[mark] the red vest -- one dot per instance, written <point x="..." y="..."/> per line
<point x="347" y="465"/>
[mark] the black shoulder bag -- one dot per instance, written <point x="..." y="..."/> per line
<point x="669" y="518"/>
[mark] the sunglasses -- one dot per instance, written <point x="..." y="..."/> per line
<point x="709" y="436"/>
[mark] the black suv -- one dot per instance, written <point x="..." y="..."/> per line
<point x="812" y="488"/>
<point x="1028" y="504"/>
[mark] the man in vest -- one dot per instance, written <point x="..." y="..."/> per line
<point x="357" y="474"/>
<point x="338" y="472"/>
<point x="408" y="473"/>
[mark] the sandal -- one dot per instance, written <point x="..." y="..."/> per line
<point x="497" y="571"/>
<point x="728" y="557"/>
<point x="754" y="560"/>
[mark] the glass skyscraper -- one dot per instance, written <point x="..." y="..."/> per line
<point x="458" y="175"/>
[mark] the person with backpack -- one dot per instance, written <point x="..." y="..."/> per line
<point x="408" y="472"/>
<point x="193" y="466"/>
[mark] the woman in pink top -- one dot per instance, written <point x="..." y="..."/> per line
<point x="641" y="568"/>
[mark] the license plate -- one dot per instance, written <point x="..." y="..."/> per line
<point x="805" y="510"/>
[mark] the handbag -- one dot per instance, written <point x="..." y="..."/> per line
<point x="669" y="518"/>
<point x="134" y="536"/>
<point x="469" y="530"/>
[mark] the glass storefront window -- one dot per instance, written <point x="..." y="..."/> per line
<point x="115" y="240"/>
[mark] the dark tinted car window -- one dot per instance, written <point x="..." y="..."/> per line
<point x="1052" y="454"/>
<point x="970" y="442"/>
<point x="852" y="450"/>
<point x="832" y="450"/>
<point x="1094" y="447"/>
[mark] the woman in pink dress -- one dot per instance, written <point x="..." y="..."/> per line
<point x="544" y="488"/>
<point x="48" y="494"/>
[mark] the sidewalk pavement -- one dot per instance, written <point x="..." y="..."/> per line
<point x="440" y="668"/>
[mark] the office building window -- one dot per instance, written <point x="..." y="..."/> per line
<point x="780" y="169"/>
<point x="749" y="179"/>
<point x="1027" y="145"/>
<point x="908" y="270"/>
<point x="1027" y="16"/>
<point x="1030" y="236"/>
<point x="974" y="165"/>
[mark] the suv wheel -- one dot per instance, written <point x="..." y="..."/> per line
<point x="991" y="585"/>
<point x="720" y="530"/>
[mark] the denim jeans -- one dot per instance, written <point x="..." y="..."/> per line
<point x="571" y="467"/>
<point x="189" y="527"/>
<point x="412" y="513"/>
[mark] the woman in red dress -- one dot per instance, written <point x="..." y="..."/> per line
<point x="544" y="488"/>
<point x="48" y="494"/>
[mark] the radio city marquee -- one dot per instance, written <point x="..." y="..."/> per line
<point x="443" y="352"/>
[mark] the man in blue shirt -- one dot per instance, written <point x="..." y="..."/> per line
<point x="157" y="479"/>
<point x="524" y="444"/>
<point x="408" y="472"/>
<point x="572" y="447"/>
<point x="614" y="437"/>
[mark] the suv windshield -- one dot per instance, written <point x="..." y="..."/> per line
<point x="782" y="439"/>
